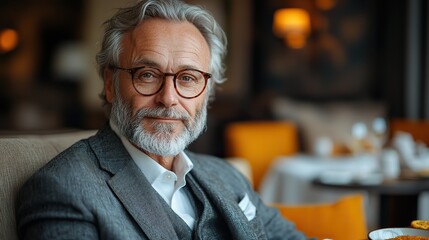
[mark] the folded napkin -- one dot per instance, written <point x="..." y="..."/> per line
<point x="414" y="156"/>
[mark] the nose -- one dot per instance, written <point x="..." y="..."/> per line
<point x="168" y="96"/>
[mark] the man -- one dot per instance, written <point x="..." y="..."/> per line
<point x="159" y="61"/>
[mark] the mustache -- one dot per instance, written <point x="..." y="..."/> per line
<point x="160" y="112"/>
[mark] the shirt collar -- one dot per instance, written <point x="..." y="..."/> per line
<point x="151" y="169"/>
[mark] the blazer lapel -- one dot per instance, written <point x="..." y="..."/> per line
<point x="225" y="201"/>
<point x="131" y="186"/>
<point x="136" y="194"/>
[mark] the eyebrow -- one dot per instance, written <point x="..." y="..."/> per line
<point x="149" y="63"/>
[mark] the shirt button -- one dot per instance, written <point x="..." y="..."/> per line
<point x="168" y="177"/>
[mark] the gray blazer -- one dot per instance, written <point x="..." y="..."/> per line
<point x="94" y="190"/>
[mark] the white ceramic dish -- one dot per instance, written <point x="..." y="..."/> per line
<point x="387" y="233"/>
<point x="336" y="177"/>
<point x="348" y="177"/>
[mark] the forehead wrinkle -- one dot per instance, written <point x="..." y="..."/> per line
<point x="193" y="53"/>
<point x="147" y="45"/>
<point x="195" y="46"/>
<point x="139" y="59"/>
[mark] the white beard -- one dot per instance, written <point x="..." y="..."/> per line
<point x="162" y="141"/>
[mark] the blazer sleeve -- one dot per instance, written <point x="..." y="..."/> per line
<point x="51" y="204"/>
<point x="48" y="210"/>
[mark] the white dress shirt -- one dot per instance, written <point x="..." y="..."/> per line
<point x="169" y="184"/>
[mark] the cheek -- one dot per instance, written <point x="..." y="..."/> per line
<point x="126" y="89"/>
<point x="128" y="94"/>
<point x="138" y="102"/>
<point x="193" y="107"/>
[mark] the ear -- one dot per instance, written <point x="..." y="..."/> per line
<point x="109" y="85"/>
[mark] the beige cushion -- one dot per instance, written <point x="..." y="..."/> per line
<point x="20" y="157"/>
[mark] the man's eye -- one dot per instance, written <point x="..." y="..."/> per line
<point x="146" y="75"/>
<point x="187" y="78"/>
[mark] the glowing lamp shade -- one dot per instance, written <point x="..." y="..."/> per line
<point x="292" y="24"/>
<point x="8" y="40"/>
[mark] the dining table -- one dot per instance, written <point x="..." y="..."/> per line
<point x="398" y="198"/>
<point x="308" y="179"/>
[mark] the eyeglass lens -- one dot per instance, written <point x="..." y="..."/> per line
<point x="188" y="83"/>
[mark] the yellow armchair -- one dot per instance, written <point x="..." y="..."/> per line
<point x="343" y="219"/>
<point x="419" y="129"/>
<point x="259" y="142"/>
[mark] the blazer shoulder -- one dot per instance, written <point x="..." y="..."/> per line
<point x="219" y="168"/>
<point x="210" y="161"/>
<point x="75" y="154"/>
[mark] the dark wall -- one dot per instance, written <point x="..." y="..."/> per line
<point x="373" y="63"/>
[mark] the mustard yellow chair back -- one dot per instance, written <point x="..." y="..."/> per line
<point x="343" y="219"/>
<point x="259" y="142"/>
<point x="419" y="129"/>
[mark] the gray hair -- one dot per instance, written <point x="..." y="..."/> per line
<point x="128" y="18"/>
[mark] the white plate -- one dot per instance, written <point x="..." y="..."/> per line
<point x="336" y="177"/>
<point x="386" y="233"/>
<point x="348" y="177"/>
<point x="369" y="179"/>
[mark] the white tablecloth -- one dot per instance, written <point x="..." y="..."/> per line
<point x="289" y="181"/>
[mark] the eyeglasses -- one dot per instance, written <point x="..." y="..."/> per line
<point x="148" y="81"/>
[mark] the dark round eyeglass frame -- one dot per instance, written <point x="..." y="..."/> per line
<point x="132" y="71"/>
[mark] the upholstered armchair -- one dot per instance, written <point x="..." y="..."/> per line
<point x="20" y="157"/>
<point x="260" y="142"/>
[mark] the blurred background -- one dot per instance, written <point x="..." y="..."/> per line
<point x="331" y="64"/>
